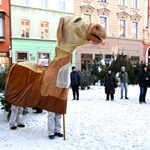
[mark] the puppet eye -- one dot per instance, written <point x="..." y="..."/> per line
<point x="77" y="20"/>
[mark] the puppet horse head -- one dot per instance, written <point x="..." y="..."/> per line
<point x="74" y="31"/>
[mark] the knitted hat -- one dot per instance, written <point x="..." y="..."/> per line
<point x="73" y="67"/>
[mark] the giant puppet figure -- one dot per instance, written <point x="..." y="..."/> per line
<point x="30" y="85"/>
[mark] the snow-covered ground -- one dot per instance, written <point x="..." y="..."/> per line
<point x="91" y="124"/>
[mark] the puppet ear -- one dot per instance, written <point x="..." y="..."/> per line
<point x="59" y="30"/>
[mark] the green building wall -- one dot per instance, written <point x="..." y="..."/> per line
<point x="32" y="47"/>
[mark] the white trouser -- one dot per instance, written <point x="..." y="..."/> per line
<point x="54" y="123"/>
<point x="16" y="115"/>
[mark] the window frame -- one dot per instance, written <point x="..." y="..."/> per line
<point x="136" y="33"/>
<point x="22" y="60"/>
<point x="25" y="29"/>
<point x="46" y="61"/>
<point x="122" y="2"/>
<point x="24" y="2"/>
<point x="135" y="4"/>
<point x="124" y="28"/>
<point x="2" y="26"/>
<point x="86" y="60"/>
<point x="104" y="1"/>
<point x="61" y="5"/>
<point x="105" y="23"/>
<point x="44" y="4"/>
<point x="84" y="15"/>
<point x="43" y="29"/>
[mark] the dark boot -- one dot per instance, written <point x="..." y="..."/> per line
<point x="73" y="96"/>
<point x="112" y="97"/>
<point x="77" y="96"/>
<point x="107" y="97"/>
<point x="38" y="110"/>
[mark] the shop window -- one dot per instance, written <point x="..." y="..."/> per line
<point x="86" y="61"/>
<point x="108" y="59"/>
<point x="98" y="57"/>
<point x="22" y="56"/>
<point x="43" y="59"/>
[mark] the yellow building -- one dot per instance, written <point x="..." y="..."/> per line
<point x="124" y="21"/>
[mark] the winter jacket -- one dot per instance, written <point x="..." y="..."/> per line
<point x="142" y="78"/>
<point x="110" y="84"/>
<point x="75" y="78"/>
<point x="123" y="77"/>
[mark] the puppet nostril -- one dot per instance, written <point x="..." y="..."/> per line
<point x="97" y="28"/>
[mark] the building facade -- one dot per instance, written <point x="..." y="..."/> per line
<point x="146" y="47"/>
<point x="124" y="21"/>
<point x="34" y="27"/>
<point x="5" y="34"/>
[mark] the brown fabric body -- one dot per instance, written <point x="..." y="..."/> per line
<point x="27" y="88"/>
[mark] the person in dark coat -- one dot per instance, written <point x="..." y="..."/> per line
<point x="110" y="84"/>
<point x="75" y="83"/>
<point x="143" y="78"/>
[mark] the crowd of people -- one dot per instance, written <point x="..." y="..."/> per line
<point x="110" y="83"/>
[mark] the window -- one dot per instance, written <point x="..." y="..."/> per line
<point x="2" y="27"/>
<point x="22" y="56"/>
<point x="87" y="1"/>
<point x="25" y="28"/>
<point x="135" y="59"/>
<point x="103" y="21"/>
<point x="86" y="61"/>
<point x="44" y="4"/>
<point x="43" y="59"/>
<point x="98" y="57"/>
<point x="102" y="1"/>
<point x="134" y="29"/>
<point x="122" y="28"/>
<point x="61" y="5"/>
<point x="44" y="30"/>
<point x="87" y="17"/>
<point x="108" y="59"/>
<point x="24" y="2"/>
<point x="122" y="2"/>
<point x="135" y="3"/>
<point x="0" y="2"/>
